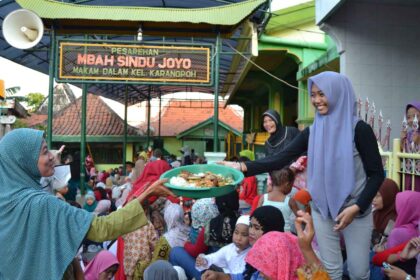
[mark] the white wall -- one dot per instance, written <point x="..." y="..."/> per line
<point x="324" y="7"/>
<point x="380" y="53"/>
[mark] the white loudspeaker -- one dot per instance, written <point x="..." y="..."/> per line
<point x="23" y="29"/>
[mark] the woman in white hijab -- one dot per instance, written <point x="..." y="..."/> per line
<point x="177" y="230"/>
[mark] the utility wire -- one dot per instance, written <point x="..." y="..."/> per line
<point x="263" y="70"/>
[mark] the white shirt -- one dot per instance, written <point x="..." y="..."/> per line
<point x="228" y="259"/>
<point x="283" y="207"/>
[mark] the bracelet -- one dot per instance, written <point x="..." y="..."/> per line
<point x="401" y="259"/>
<point x="408" y="277"/>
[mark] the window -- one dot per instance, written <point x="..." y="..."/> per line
<point x="107" y="153"/>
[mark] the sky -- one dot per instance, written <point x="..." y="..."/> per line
<point x="282" y="4"/>
<point x="29" y="80"/>
<point x="38" y="82"/>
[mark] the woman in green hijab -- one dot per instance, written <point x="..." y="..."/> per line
<point x="40" y="234"/>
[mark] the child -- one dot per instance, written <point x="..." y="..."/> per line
<point x="410" y="143"/>
<point x="410" y="135"/>
<point x="256" y="202"/>
<point x="248" y="191"/>
<point x="100" y="192"/>
<point x="103" y="266"/>
<point x="59" y="189"/>
<point x="282" y="183"/>
<point x="202" y="212"/>
<point x="231" y="258"/>
<point x="90" y="202"/>
<point x="187" y="218"/>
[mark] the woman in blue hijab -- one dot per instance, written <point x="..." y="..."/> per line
<point x="40" y="234"/>
<point x="344" y="173"/>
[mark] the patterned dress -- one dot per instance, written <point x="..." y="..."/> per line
<point x="138" y="250"/>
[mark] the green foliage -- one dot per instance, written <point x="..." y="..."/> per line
<point x="12" y="91"/>
<point x="34" y="100"/>
<point x="19" y="123"/>
<point x="41" y="127"/>
<point x="11" y="94"/>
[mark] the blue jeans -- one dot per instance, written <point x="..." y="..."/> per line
<point x="375" y="271"/>
<point x="178" y="256"/>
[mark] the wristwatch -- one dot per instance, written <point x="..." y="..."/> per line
<point x="408" y="277"/>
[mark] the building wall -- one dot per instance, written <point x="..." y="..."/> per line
<point x="305" y="33"/>
<point x="172" y="145"/>
<point x="129" y="157"/>
<point x="378" y="46"/>
<point x="307" y="44"/>
<point x="129" y="152"/>
<point x="198" y="146"/>
<point x="101" y="167"/>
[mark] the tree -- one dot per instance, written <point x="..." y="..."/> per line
<point x="12" y="91"/>
<point x="19" y="124"/>
<point x="11" y="94"/>
<point x="34" y="100"/>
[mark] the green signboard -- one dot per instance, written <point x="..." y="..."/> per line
<point x="122" y="63"/>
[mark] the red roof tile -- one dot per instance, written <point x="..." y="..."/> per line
<point x="178" y="116"/>
<point x="100" y="119"/>
<point x="35" y="119"/>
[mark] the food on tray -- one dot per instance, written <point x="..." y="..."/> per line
<point x="207" y="179"/>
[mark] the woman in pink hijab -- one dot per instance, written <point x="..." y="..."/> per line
<point x="103" y="266"/>
<point x="276" y="255"/>
<point x="408" y="218"/>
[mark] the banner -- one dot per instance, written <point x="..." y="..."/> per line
<point x="137" y="63"/>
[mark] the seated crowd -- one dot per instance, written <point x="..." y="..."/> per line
<point x="241" y="235"/>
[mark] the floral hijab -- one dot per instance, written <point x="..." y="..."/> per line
<point x="202" y="212"/>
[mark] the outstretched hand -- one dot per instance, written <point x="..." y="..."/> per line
<point x="232" y="164"/>
<point x="61" y="149"/>
<point x="155" y="189"/>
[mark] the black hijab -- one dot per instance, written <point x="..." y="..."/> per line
<point x="221" y="227"/>
<point x="281" y="137"/>
<point x="270" y="218"/>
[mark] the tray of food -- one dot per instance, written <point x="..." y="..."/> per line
<point x="202" y="180"/>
